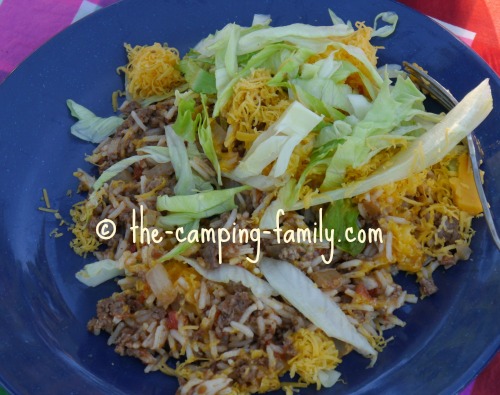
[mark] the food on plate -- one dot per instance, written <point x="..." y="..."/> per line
<point x="264" y="191"/>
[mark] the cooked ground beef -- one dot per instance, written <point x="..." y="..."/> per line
<point x="427" y="287"/>
<point x="232" y="308"/>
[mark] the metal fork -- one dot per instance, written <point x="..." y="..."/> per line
<point x="443" y="96"/>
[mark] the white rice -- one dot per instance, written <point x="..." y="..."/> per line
<point x="114" y="335"/>
<point x="260" y="325"/>
<point x="272" y="303"/>
<point x="230" y="354"/>
<point x="270" y="355"/>
<point x="213" y="344"/>
<point x="170" y="113"/>
<point x="247" y="313"/>
<point x="349" y="264"/>
<point x="204" y="296"/>
<point x="117" y="211"/>
<point x="178" y="337"/>
<point x="138" y="121"/>
<point x="242" y="328"/>
<point x="388" y="248"/>
<point x="397" y="220"/>
<point x="160" y="337"/>
<point x="389" y="290"/>
<point x="231" y="219"/>
<point x="410" y="298"/>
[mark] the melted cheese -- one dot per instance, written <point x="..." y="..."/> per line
<point x="464" y="189"/>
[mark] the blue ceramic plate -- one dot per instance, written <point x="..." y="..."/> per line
<point x="44" y="345"/>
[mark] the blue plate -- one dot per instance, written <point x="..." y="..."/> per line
<point x="44" y="345"/>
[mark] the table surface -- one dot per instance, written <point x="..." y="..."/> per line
<point x="27" y="24"/>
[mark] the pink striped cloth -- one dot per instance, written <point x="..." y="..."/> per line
<point x="27" y="24"/>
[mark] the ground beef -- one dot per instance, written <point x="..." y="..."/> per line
<point x="119" y="305"/>
<point x="129" y="135"/>
<point x="427" y="287"/>
<point x="249" y="372"/>
<point x="210" y="253"/>
<point x="232" y="308"/>
<point x="123" y="316"/>
<point x="450" y="230"/>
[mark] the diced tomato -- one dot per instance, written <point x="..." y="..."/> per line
<point x="137" y="172"/>
<point x="172" y="322"/>
<point x="361" y="289"/>
<point x="155" y="254"/>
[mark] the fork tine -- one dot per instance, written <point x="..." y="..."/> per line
<point x="431" y="85"/>
<point x="444" y="96"/>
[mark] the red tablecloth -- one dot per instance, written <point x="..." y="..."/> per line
<point x="27" y="24"/>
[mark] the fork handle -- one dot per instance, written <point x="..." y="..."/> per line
<point x="480" y="190"/>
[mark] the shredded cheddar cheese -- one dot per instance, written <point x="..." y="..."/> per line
<point x="151" y="70"/>
<point x="253" y="107"/>
<point x="81" y="213"/>
<point x="360" y="38"/>
<point x="435" y="224"/>
<point x="316" y="352"/>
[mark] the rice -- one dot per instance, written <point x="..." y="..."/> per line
<point x="232" y="217"/>
<point x="114" y="335"/>
<point x="231" y="354"/>
<point x="242" y="328"/>
<point x="177" y="337"/>
<point x="388" y="247"/>
<point x="349" y="264"/>
<point x="246" y="314"/>
<point x="204" y="296"/>
<point x="138" y="121"/>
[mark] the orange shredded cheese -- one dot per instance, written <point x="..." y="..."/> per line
<point x="361" y="39"/>
<point x="81" y="213"/>
<point x="316" y="352"/>
<point x="431" y="222"/>
<point x="253" y="107"/>
<point x="151" y="70"/>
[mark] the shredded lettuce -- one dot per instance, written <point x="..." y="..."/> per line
<point x="301" y="292"/>
<point x="277" y="143"/>
<point x="185" y="126"/>
<point x="178" y="153"/>
<point x="199" y="79"/>
<point x="389" y="17"/>
<point x="185" y="209"/>
<point x="94" y="274"/>
<point x="197" y="203"/>
<point x="184" y="218"/>
<point x="324" y="80"/>
<point x="328" y="378"/>
<point x="341" y="215"/>
<point x="89" y="126"/>
<point x="206" y="141"/>
<point x="158" y="154"/>
<point x="179" y="249"/>
<point x="226" y="273"/>
<point x="425" y="151"/>
<point x="392" y="106"/>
